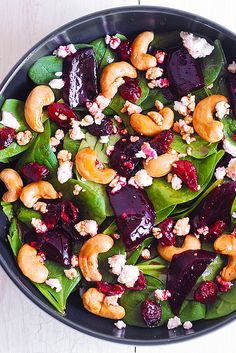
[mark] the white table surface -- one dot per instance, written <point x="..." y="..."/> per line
<point x="24" y="328"/>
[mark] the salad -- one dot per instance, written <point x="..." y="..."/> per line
<point x="119" y="178"/>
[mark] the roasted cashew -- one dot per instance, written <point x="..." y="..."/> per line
<point x="167" y="252"/>
<point x="112" y="77"/>
<point x="151" y="124"/>
<point x="139" y="57"/>
<point x="93" y="301"/>
<point x="39" y="97"/>
<point x="160" y="166"/>
<point x="32" y="192"/>
<point x="88" y="256"/>
<point x="85" y="161"/>
<point x="30" y="264"/>
<point x="205" y="126"/>
<point x="13" y="183"/>
<point x="226" y="245"/>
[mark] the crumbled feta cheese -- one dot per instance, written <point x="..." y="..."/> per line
<point x="58" y="74"/>
<point x="220" y="173"/>
<point x="161" y="83"/>
<point x="95" y="111"/>
<point x="115" y="236"/>
<point x="162" y="294"/>
<point x="180" y="108"/>
<point x="231" y="169"/>
<point x="40" y="206"/>
<point x="157" y="232"/>
<point x="147" y="151"/>
<point x="117" y="183"/>
<point x="189" y="102"/>
<point x="111" y="300"/>
<point x="189" y="151"/>
<point x="182" y="226"/>
<point x="118" y="119"/>
<point x="222" y="109"/>
<point x="120" y="324"/>
<point x="146" y="254"/>
<point x="229" y="147"/>
<point x="87" y="227"/>
<point x="9" y="120"/>
<point x="224" y="286"/>
<point x="76" y="133"/>
<point x="24" y="137"/>
<point x="74" y="260"/>
<point x="59" y="134"/>
<point x="176" y="182"/>
<point x="131" y="108"/>
<point x="71" y="273"/>
<point x="187" y="325"/>
<point x="141" y="179"/>
<point x="39" y="225"/>
<point x="102" y="101"/>
<point x="57" y="83"/>
<point x="87" y="120"/>
<point x="64" y="172"/>
<point x="117" y="262"/>
<point x="109" y="150"/>
<point x="173" y="323"/>
<point x="203" y="230"/>
<point x="104" y="139"/>
<point x="134" y="139"/>
<point x="77" y="189"/>
<point x="197" y="47"/>
<point x="233" y="215"/>
<point x="54" y="283"/>
<point x="160" y="56"/>
<point x="232" y="67"/>
<point x="154" y="72"/>
<point x="112" y="41"/>
<point x="129" y="275"/>
<point x="64" y="156"/>
<point x="64" y="50"/>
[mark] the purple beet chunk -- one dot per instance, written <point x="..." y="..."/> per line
<point x="104" y="129"/>
<point x="231" y="81"/>
<point x="184" y="72"/>
<point x="134" y="214"/>
<point x="123" y="158"/>
<point x="80" y="76"/>
<point x="183" y="272"/>
<point x="215" y="206"/>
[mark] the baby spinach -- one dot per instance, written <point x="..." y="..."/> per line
<point x="58" y="299"/>
<point x="99" y="47"/>
<point x="108" y="58"/>
<point x="166" y="40"/>
<point x="154" y="94"/>
<point x="134" y="256"/>
<point x="212" y="270"/>
<point x="110" y="229"/>
<point x="71" y="145"/>
<point x="14" y="236"/>
<point x="192" y="311"/>
<point x="153" y="267"/>
<point x="43" y="70"/>
<point x="25" y="215"/>
<point x="229" y="128"/>
<point x="224" y="305"/>
<point x="7" y="208"/>
<point x="164" y="213"/>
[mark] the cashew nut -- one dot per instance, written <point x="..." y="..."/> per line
<point x="226" y="245"/>
<point x="39" y="97"/>
<point x="30" y="264"/>
<point x="93" y="301"/>
<point x="152" y="123"/>
<point x="85" y="161"/>
<point x="112" y="77"/>
<point x="209" y="129"/>
<point x="13" y="183"/>
<point x="139" y="57"/>
<point x="160" y="166"/>
<point x="167" y="252"/>
<point x="88" y="256"/>
<point x="32" y="192"/>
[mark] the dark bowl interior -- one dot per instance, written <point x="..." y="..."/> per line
<point x="127" y="20"/>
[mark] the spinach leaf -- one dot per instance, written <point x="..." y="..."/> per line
<point x="108" y="58"/>
<point x="224" y="305"/>
<point x="58" y="299"/>
<point x="229" y="128"/>
<point x="14" y="236"/>
<point x="212" y="270"/>
<point x="233" y="213"/>
<point x="154" y="94"/>
<point x="132" y="260"/>
<point x="154" y="267"/>
<point x="132" y="300"/>
<point x="71" y="145"/>
<point x="25" y="215"/>
<point x="99" y="47"/>
<point x="110" y="229"/>
<point x="166" y="40"/>
<point x="192" y="311"/>
<point x="164" y="213"/>
<point x="43" y="70"/>
<point x="7" y="208"/>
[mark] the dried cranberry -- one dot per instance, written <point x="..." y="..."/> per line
<point x="124" y="50"/>
<point x="206" y="293"/>
<point x="104" y="129"/>
<point x="140" y="284"/>
<point x="69" y="213"/>
<point x="162" y="141"/>
<point x="223" y="286"/>
<point x="34" y="172"/>
<point x="215" y="230"/>
<point x="234" y="136"/>
<point x="186" y="171"/>
<point x="110" y="288"/>
<point x="61" y="114"/>
<point x="7" y="136"/>
<point x="130" y="90"/>
<point x="166" y="227"/>
<point x="151" y="312"/>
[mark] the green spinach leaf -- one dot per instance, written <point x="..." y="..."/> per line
<point x="43" y="70"/>
<point x="7" y="208"/>
<point x="14" y="237"/>
<point x="224" y="305"/>
<point x="192" y="311"/>
<point x="133" y="258"/>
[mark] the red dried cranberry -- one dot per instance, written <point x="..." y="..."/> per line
<point x="110" y="288"/>
<point x="234" y="136"/>
<point x="161" y="142"/>
<point x="140" y="284"/>
<point x="215" y="230"/>
<point x="151" y="312"/>
<point x="186" y="171"/>
<point x="130" y="90"/>
<point x="104" y="129"/>
<point x="7" y="136"/>
<point x="60" y="212"/>
<point x="34" y="171"/>
<point x="61" y="114"/>
<point x="69" y="213"/>
<point x="166" y="227"/>
<point x="223" y="286"/>
<point x="124" y="50"/>
<point x="206" y="293"/>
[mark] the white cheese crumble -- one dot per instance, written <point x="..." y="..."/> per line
<point x="58" y="74"/>
<point x="87" y="120"/>
<point x="9" y="120"/>
<point x="162" y="294"/>
<point x="102" y="101"/>
<point x="104" y="139"/>
<point x="111" y="300"/>
<point x="141" y="179"/>
<point x="231" y="169"/>
<point x="112" y="41"/>
<point x="154" y="72"/>
<point x="87" y="227"/>
<point x="64" y="50"/>
<point x="220" y="173"/>
<point x="187" y="325"/>
<point x="110" y="150"/>
<point x="40" y="206"/>
<point x="77" y="189"/>
<point x="146" y="254"/>
<point x="129" y="275"/>
<point x="120" y="324"/>
<point x="131" y="108"/>
<point x="76" y="133"/>
<point x="71" y="273"/>
<point x="64" y="172"/>
<point x="182" y="227"/>
<point x="229" y="147"/>
<point x="54" y="283"/>
<point x="173" y="323"/>
<point x="176" y="182"/>
<point x="117" y="183"/>
<point x="117" y="262"/>
<point x="222" y="109"/>
<point x="232" y="67"/>
<point x="197" y="47"/>
<point x="39" y="225"/>
<point x="57" y="83"/>
<point x="74" y="260"/>
<point x="233" y="215"/>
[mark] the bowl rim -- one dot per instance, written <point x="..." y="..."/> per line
<point x="16" y="280"/>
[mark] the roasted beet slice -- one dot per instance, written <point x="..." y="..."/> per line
<point x="80" y="76"/>
<point x="162" y="141"/>
<point x="215" y="206"/>
<point x="123" y="158"/>
<point x="104" y="129"/>
<point x="231" y="81"/>
<point x="183" y="272"/>
<point x="134" y="214"/>
<point x="34" y="172"/>
<point x="168" y="237"/>
<point x="184" y="72"/>
<point x="61" y="114"/>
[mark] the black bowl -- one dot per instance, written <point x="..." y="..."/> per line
<point x="127" y="20"/>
